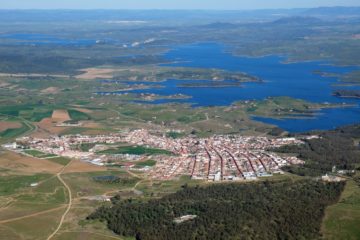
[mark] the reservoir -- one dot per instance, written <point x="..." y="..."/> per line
<point x="296" y="80"/>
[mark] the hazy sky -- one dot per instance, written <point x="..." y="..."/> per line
<point x="171" y="4"/>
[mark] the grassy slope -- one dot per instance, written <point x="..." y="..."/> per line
<point x="342" y="220"/>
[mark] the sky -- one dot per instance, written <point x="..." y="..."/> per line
<point x="171" y="4"/>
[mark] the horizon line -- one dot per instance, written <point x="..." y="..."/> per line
<point x="168" y="9"/>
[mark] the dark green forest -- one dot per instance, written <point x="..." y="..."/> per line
<point x="334" y="148"/>
<point x="266" y="210"/>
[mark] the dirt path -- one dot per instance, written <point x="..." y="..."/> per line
<point x="137" y="184"/>
<point x="58" y="175"/>
<point x="31" y="215"/>
<point x="133" y="174"/>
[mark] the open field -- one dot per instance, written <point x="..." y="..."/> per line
<point x="11" y="184"/>
<point x="17" y="162"/>
<point x="85" y="235"/>
<point x="10" y="133"/>
<point x="60" y="115"/>
<point x="9" y="125"/>
<point x="50" y="90"/>
<point x="136" y="150"/>
<point x="342" y="220"/>
<point x="84" y="184"/>
<point x="25" y="227"/>
<point x="79" y="167"/>
<point x="24" y="208"/>
<point x="59" y="160"/>
<point x="28" y="206"/>
<point x="95" y="73"/>
<point x="78" y="115"/>
<point x="38" y="154"/>
<point x="47" y="127"/>
<point x="84" y="110"/>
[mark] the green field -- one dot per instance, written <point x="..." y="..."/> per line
<point x="38" y="154"/>
<point x="31" y="207"/>
<point x="342" y="219"/>
<point x="78" y="116"/>
<point x="84" y="184"/>
<point x="14" y="132"/>
<point x="137" y="150"/>
<point x="11" y="184"/>
<point x="60" y="160"/>
<point x="38" y="116"/>
<point x="147" y="163"/>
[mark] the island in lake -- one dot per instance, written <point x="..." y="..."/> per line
<point x="347" y="93"/>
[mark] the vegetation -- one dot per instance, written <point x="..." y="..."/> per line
<point x="78" y="116"/>
<point x="347" y="93"/>
<point x="113" y="179"/>
<point x="155" y="73"/>
<point x="174" y="135"/>
<point x="14" y="110"/>
<point x="11" y="184"/>
<point x="38" y="116"/>
<point x="333" y="148"/>
<point x="147" y="163"/>
<point x="14" y="132"/>
<point x="137" y="150"/>
<point x="38" y="154"/>
<point x="265" y="210"/>
<point x="85" y="147"/>
<point x="342" y="220"/>
<point x="60" y="160"/>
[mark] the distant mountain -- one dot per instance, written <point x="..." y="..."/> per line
<point x="333" y="11"/>
<point x="221" y="25"/>
<point x="297" y="20"/>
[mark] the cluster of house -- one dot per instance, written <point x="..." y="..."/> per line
<point x="216" y="158"/>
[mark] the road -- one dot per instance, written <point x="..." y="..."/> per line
<point x="58" y="175"/>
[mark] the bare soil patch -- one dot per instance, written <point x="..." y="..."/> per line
<point x="9" y="125"/>
<point x="47" y="127"/>
<point x="60" y="115"/>
<point x="50" y="90"/>
<point x="32" y="75"/>
<point x="79" y="166"/>
<point x="94" y="73"/>
<point x="18" y="162"/>
<point x="4" y="84"/>
<point x="91" y="124"/>
<point x="84" y="110"/>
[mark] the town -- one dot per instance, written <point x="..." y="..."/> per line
<point x="216" y="158"/>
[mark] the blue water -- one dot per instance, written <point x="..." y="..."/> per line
<point x="296" y="80"/>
